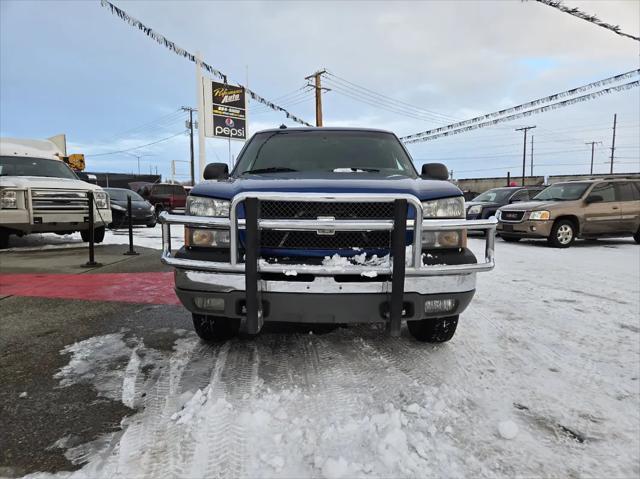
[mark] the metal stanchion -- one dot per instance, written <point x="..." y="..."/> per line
<point x="91" y="263"/>
<point x="131" y="251"/>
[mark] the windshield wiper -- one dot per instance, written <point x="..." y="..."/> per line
<point x="273" y="169"/>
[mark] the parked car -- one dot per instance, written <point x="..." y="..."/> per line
<point x="578" y="209"/>
<point x="142" y="212"/>
<point x="303" y="229"/>
<point x="39" y="193"/>
<point x="165" y="197"/>
<point x="486" y="204"/>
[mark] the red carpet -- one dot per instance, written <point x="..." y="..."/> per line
<point x="146" y="288"/>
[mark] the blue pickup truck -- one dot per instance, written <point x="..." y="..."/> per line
<point x="325" y="225"/>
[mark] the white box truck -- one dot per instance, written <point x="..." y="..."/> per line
<point x="39" y="192"/>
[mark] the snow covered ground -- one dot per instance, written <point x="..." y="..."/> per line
<point x="142" y="236"/>
<point x="541" y="380"/>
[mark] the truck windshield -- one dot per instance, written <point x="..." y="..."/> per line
<point x="562" y="192"/>
<point x="27" y="166"/>
<point x="340" y="151"/>
<point x="496" y="195"/>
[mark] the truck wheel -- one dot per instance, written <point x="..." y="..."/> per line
<point x="98" y="235"/>
<point x="4" y="239"/>
<point x="562" y="234"/>
<point x="433" y="330"/>
<point x="213" y="328"/>
<point x="510" y="239"/>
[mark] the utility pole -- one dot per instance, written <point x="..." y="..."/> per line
<point x="318" y="88"/>
<point x="190" y="126"/>
<point x="524" y="150"/>
<point x="593" y="144"/>
<point x="613" y="142"/>
<point x="532" y="155"/>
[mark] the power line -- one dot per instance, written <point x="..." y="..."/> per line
<point x="393" y="101"/>
<point x="162" y="40"/>
<point x="371" y="102"/>
<point x="136" y="147"/>
<point x="542" y="109"/>
<point x="589" y="18"/>
<point x="529" y="104"/>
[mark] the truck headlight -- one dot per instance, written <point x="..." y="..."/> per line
<point x="499" y="215"/>
<point x="102" y="200"/>
<point x="206" y="238"/>
<point x="539" y="215"/>
<point x="444" y="208"/>
<point x="474" y="210"/>
<point x="199" y="206"/>
<point x="8" y="199"/>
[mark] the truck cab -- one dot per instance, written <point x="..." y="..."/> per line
<point x="325" y="225"/>
<point x="39" y="193"/>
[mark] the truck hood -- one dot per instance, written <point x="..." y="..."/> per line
<point x="46" y="183"/>
<point x="484" y="204"/>
<point x="327" y="182"/>
<point x="531" y="205"/>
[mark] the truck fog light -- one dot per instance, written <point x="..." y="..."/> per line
<point x="210" y="304"/>
<point x="444" y="239"/>
<point x="207" y="238"/>
<point x="440" y="305"/>
<point x="452" y="239"/>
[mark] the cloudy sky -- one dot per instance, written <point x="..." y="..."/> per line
<point x="72" y="67"/>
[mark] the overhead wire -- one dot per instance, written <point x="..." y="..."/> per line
<point x="387" y="100"/>
<point x="135" y="147"/>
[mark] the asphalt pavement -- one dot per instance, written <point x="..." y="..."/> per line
<point x="36" y="411"/>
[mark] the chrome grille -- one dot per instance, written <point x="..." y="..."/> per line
<point x="336" y="209"/>
<point x="312" y="240"/>
<point x="44" y="201"/>
<point x="511" y="216"/>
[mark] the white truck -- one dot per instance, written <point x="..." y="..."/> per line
<point x="39" y="192"/>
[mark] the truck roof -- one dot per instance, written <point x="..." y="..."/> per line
<point x="327" y="128"/>
<point x="30" y="148"/>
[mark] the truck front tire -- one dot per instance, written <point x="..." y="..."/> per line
<point x="433" y="330"/>
<point x="214" y="328"/>
<point x="98" y="235"/>
<point x="563" y="234"/>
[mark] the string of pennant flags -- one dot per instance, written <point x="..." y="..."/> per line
<point x="162" y="40"/>
<point x="576" y="12"/>
<point x="542" y="109"/>
<point x="522" y="106"/>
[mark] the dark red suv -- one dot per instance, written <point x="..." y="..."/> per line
<point x="165" y="197"/>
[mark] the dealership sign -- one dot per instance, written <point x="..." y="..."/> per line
<point x="227" y="104"/>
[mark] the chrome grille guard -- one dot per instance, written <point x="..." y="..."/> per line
<point x="414" y="266"/>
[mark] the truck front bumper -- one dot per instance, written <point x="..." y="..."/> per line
<point x="257" y="291"/>
<point x="323" y="299"/>
<point x="525" y="229"/>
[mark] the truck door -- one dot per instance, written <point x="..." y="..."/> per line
<point x="628" y="194"/>
<point x="603" y="216"/>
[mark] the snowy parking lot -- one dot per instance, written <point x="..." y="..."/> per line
<point x="541" y="380"/>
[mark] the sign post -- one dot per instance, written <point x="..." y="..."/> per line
<point x="202" y="114"/>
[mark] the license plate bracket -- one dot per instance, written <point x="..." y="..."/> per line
<point x="507" y="227"/>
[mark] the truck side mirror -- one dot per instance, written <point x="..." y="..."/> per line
<point x="216" y="171"/>
<point x="594" y="199"/>
<point x="434" y="171"/>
